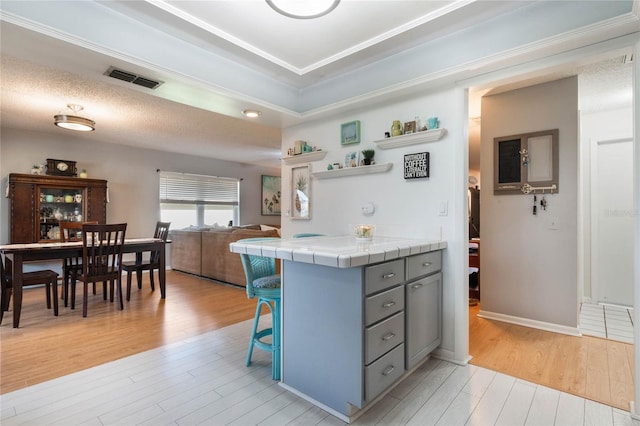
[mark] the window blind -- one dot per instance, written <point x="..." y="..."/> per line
<point x="201" y="189"/>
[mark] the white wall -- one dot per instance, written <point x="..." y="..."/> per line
<point x="406" y="208"/>
<point x="528" y="270"/>
<point x="130" y="172"/>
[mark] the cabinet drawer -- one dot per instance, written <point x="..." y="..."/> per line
<point x="423" y="264"/>
<point x="380" y="338"/>
<point x="382" y="276"/>
<point x="382" y="373"/>
<point x="383" y="304"/>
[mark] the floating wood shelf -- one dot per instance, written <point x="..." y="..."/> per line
<point x="352" y="171"/>
<point x="305" y="158"/>
<point x="411" y="139"/>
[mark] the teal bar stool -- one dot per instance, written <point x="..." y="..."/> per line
<point x="263" y="283"/>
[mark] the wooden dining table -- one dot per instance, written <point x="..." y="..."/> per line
<point x="22" y="253"/>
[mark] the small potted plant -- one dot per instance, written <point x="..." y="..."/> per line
<point x="368" y="156"/>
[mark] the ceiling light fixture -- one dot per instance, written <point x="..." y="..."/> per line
<point x="251" y="113"/>
<point x="303" y="9"/>
<point x="74" y="122"/>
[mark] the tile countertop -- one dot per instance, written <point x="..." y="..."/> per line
<point x="338" y="251"/>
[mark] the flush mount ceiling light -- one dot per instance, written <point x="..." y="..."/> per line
<point x="251" y="113"/>
<point x="74" y="122"/>
<point x="303" y="9"/>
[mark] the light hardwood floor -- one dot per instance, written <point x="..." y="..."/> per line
<point x="46" y="347"/>
<point x="590" y="367"/>
<point x="196" y="374"/>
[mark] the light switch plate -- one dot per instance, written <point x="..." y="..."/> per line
<point x="443" y="208"/>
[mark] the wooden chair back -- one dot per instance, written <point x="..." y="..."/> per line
<point x="102" y="248"/>
<point x="161" y="232"/>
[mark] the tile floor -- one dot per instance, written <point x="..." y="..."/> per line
<point x="203" y="380"/>
<point x="607" y="321"/>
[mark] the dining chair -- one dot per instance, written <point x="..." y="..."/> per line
<point x="102" y="248"/>
<point x="72" y="231"/>
<point x="264" y="284"/>
<point x="46" y="276"/>
<point x="153" y="263"/>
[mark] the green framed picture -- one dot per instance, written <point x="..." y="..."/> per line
<point x="350" y="132"/>
<point x="271" y="191"/>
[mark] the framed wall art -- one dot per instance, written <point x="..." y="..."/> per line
<point x="301" y="192"/>
<point x="409" y="127"/>
<point x="271" y="192"/>
<point x="352" y="159"/>
<point x="350" y="132"/>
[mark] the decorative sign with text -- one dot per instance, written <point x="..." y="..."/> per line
<point x="416" y="166"/>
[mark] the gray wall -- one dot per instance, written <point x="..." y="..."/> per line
<point x="528" y="270"/>
<point x="131" y="173"/>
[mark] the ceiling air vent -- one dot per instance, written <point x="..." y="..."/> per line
<point x="132" y="78"/>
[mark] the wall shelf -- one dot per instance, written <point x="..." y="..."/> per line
<point x="411" y="139"/>
<point x="305" y="158"/>
<point x="352" y="171"/>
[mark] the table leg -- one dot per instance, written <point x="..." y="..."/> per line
<point x="17" y="288"/>
<point x="162" y="271"/>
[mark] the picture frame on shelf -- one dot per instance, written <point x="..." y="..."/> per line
<point x="352" y="159"/>
<point x="409" y="127"/>
<point x="301" y="192"/>
<point x="350" y="133"/>
<point x="271" y="195"/>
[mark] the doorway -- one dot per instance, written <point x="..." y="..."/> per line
<point x="612" y="223"/>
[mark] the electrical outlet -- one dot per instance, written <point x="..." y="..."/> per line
<point x="368" y="209"/>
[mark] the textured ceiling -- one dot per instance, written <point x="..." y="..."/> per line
<point x="219" y="57"/>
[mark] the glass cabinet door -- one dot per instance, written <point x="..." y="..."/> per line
<point x="59" y="205"/>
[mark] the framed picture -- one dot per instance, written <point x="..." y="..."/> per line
<point x="350" y="132"/>
<point x="271" y="192"/>
<point x="352" y="159"/>
<point x="301" y="192"/>
<point x="409" y="127"/>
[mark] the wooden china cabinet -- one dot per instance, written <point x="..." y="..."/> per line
<point x="40" y="202"/>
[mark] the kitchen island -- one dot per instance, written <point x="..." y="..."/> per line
<point x="357" y="317"/>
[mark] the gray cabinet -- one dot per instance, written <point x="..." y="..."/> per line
<point x="423" y="295"/>
<point x="384" y="326"/>
<point x="348" y="333"/>
<point x="424" y="318"/>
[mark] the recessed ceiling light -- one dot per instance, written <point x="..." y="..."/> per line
<point x="303" y="9"/>
<point x="251" y="113"/>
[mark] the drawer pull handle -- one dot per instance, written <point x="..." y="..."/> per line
<point x="388" y="371"/>
<point x="416" y="286"/>
<point x="426" y="264"/>
<point x="388" y="336"/>
<point x="389" y="275"/>
<point x="389" y="304"/>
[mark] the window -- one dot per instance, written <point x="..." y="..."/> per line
<point x="198" y="200"/>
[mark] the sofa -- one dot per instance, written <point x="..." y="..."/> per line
<point x="205" y="252"/>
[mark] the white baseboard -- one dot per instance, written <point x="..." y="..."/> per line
<point x="526" y="322"/>
<point x="447" y="355"/>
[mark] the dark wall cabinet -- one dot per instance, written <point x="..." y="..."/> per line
<point x="39" y="203"/>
